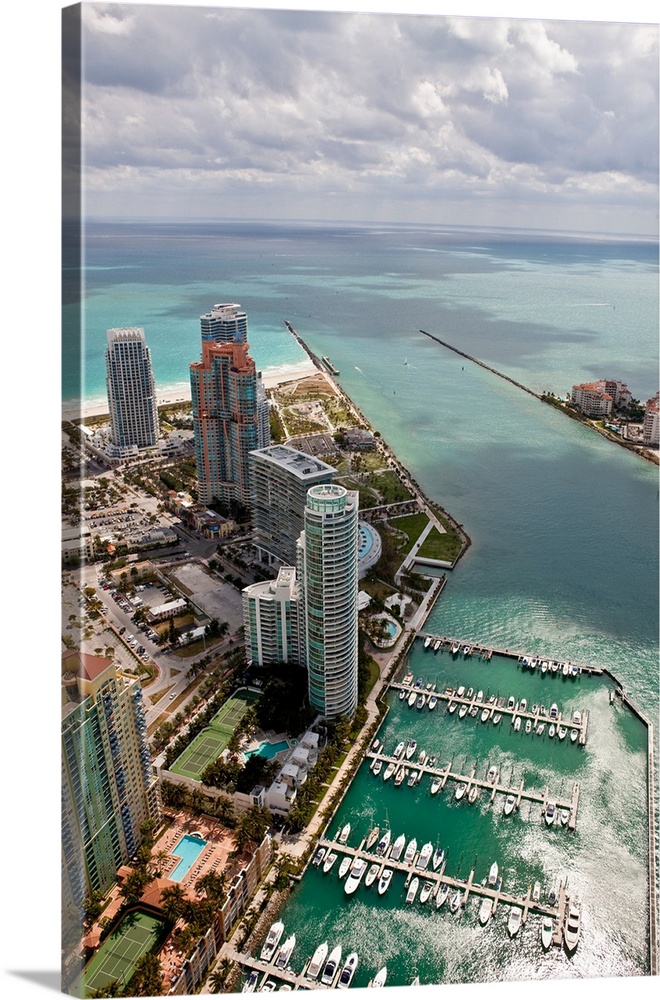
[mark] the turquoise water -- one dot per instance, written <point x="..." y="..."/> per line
<point x="188" y="849"/>
<point x="268" y="750"/>
<point x="365" y="541"/>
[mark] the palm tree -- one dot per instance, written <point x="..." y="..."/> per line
<point x="172" y="902"/>
<point x="218" y="977"/>
<point x="213" y="884"/>
<point x="147" y="980"/>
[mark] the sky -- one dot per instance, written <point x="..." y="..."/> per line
<point x="218" y="112"/>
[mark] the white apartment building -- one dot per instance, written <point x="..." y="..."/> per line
<point x="651" y="432"/>
<point x="131" y="392"/>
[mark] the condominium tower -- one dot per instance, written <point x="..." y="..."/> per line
<point x="109" y="788"/>
<point x="279" y="480"/>
<point x="225" y="323"/>
<point x="272" y="618"/>
<point x="131" y="390"/>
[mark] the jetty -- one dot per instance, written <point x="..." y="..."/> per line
<point x="486" y="652"/>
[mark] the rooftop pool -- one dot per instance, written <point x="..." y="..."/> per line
<point x="268" y="750"/>
<point x="188" y="849"/>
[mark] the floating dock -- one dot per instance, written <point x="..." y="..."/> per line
<point x="486" y="652"/>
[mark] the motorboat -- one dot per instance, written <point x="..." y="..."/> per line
<point x="452" y="706"/>
<point x="384" y="881"/>
<point x="546" y="932"/>
<point x="384" y="843"/>
<point x="330" y="859"/>
<point x="433" y="701"/>
<point x="554" y="667"/>
<point x="348" y="971"/>
<point x="399" y="845"/>
<point x="318" y="857"/>
<point x="251" y="983"/>
<point x="422" y="757"/>
<point x="442" y="894"/>
<point x="436" y="645"/>
<point x="525" y="661"/>
<point x="412" y="778"/>
<point x="400" y="747"/>
<point x="419" y="682"/>
<point x="402" y="694"/>
<point x="331" y="966"/>
<point x="517" y="723"/>
<point x="535" y="709"/>
<point x="493" y="774"/>
<point x="473" y="794"/>
<point x="378" y="766"/>
<point x="268" y="987"/>
<point x="484" y="715"/>
<point x="473" y="710"/>
<point x="425" y="855"/>
<point x="492" y="874"/>
<point x="574" y="670"/>
<point x="421" y="701"/>
<point x="373" y="763"/>
<point x="438" y="858"/>
<point x="550" y="812"/>
<point x="401" y="775"/>
<point x="412" y="890"/>
<point x="428" y="641"/>
<point x="282" y="959"/>
<point x="375" y="745"/>
<point x="427" y="889"/>
<point x="416" y="981"/>
<point x="564" y="816"/>
<point x="372" y="873"/>
<point x="485" y="910"/>
<point x="554" y="711"/>
<point x="461" y="789"/>
<point x="461" y="691"/>
<point x="543" y="710"/>
<point x="522" y="707"/>
<point x="410" y="749"/>
<point x="528" y="726"/>
<point x="455" y="902"/>
<point x="355" y="875"/>
<point x="462" y="712"/>
<point x="544" y="667"/>
<point x="408" y="678"/>
<point x="551" y="730"/>
<point x="577" y="719"/>
<point x="467" y="650"/>
<point x="480" y="696"/>
<point x="412" y="698"/>
<point x="344" y="866"/>
<point x="389" y="770"/>
<point x="435" y="785"/>
<point x="511" y="704"/>
<point x="455" y="648"/>
<point x="574" y="735"/>
<point x="561" y="732"/>
<point x="509" y="804"/>
<point x="411" y="851"/>
<point x="536" y="892"/>
<point x="540" y="729"/>
<point x="497" y="718"/>
<point x="470" y="693"/>
<point x="272" y="940"/>
<point x="515" y="920"/>
<point x="572" y="926"/>
<point x="380" y="978"/>
<point x="318" y="958"/>
<point x="565" y="669"/>
<point x="345" y="833"/>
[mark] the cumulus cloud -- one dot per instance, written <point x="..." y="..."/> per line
<point x="364" y="105"/>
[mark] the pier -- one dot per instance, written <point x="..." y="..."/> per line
<point x="486" y="652"/>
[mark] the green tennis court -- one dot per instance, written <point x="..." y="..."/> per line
<point x="209" y="744"/>
<point x="117" y="957"/>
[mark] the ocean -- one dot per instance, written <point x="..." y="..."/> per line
<point x="564" y="526"/>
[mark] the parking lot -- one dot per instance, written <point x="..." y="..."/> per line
<point x="215" y="598"/>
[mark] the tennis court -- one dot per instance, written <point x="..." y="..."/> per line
<point x="117" y="957"/>
<point x="209" y="744"/>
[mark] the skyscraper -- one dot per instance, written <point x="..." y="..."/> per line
<point x="230" y="409"/>
<point x="279" y="480"/>
<point x="328" y="573"/>
<point x="108" y="784"/>
<point x="131" y="390"/>
<point x="272" y="619"/>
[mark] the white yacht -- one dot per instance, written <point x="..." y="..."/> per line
<point x="330" y="859"/>
<point x="413" y="778"/>
<point x="389" y="770"/>
<point x="402" y="694"/>
<point x="461" y="789"/>
<point x="451" y="707"/>
<point x="400" y="747"/>
<point x="411" y="850"/>
<point x="485" y="714"/>
<point x="509" y="804"/>
<point x="435" y="785"/>
<point x="528" y="726"/>
<point x="272" y="940"/>
<point x="517" y="724"/>
<point x="344" y="866"/>
<point x="282" y="959"/>
<point x="318" y="958"/>
<point x="485" y="910"/>
<point x="561" y="732"/>
<point x="515" y="920"/>
<point x="378" y="766"/>
<point x="550" y="812"/>
<point x="412" y="890"/>
<point x="461" y="691"/>
<point x="574" y="735"/>
<point x="428" y="641"/>
<point x="399" y="845"/>
<point x="577" y="719"/>
<point x="427" y="889"/>
<point x="462" y="712"/>
<point x="540" y="729"/>
<point x="412" y="698"/>
<point x="348" y="971"/>
<point x="522" y="707"/>
<point x="511" y="704"/>
<point x="401" y="775"/>
<point x="572" y="927"/>
<point x="410" y="749"/>
<point x="384" y="881"/>
<point x="473" y="794"/>
<point x="536" y="892"/>
<point x="455" y="902"/>
<point x="438" y="858"/>
<point x="251" y="983"/>
<point x="345" y="833"/>
<point x="331" y="966"/>
<point x="546" y="932"/>
<point x="372" y="838"/>
<point x="442" y="894"/>
<point x="497" y="718"/>
<point x="355" y="875"/>
<point x="425" y="855"/>
<point x="380" y="978"/>
<point x="564" y="816"/>
<point x="493" y="774"/>
<point x="552" y="730"/>
<point x="371" y="874"/>
<point x="318" y="857"/>
<point x="492" y="874"/>
<point x="383" y="843"/>
<point x="480" y="696"/>
<point x="433" y="701"/>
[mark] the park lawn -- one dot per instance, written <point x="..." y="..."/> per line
<point x="389" y="486"/>
<point x="412" y="525"/>
<point x="440" y="546"/>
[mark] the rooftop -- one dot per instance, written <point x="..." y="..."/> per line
<point x="297" y="462"/>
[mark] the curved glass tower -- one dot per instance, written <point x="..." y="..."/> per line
<point x="328" y="554"/>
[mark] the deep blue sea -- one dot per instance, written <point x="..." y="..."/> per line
<point x="564" y="525"/>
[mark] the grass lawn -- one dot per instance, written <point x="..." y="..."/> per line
<point x="438" y="546"/>
<point x="389" y="486"/>
<point x="412" y="525"/>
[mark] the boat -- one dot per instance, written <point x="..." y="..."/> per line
<point x="511" y="704"/>
<point x="550" y="812"/>
<point x="371" y="874"/>
<point x="544" y="667"/>
<point x="536" y="892"/>
<point x="540" y="729"/>
<point x="433" y="701"/>
<point x="400" y="775"/>
<point x="412" y="890"/>
<point x="412" y="778"/>
<point x="546" y="932"/>
<point x="486" y="909"/>
<point x="492" y="874"/>
<point x="564" y="816"/>
<point x="380" y="978"/>
<point x="408" y="678"/>
<point x="425" y="855"/>
<point x="480" y="696"/>
<point x="493" y="774"/>
<point x="455" y="902"/>
<point x="419" y="682"/>
<point x="437" y="644"/>
<point x="428" y="641"/>
<point x="473" y="710"/>
<point x="383" y="843"/>
<point x="461" y="789"/>
<point x="554" y="711"/>
<point x="268" y="987"/>
<point x="427" y="889"/>
<point x="572" y="927"/>
<point x="416" y="981"/>
<point x="384" y="881"/>
<point x="344" y="866"/>
<point x="509" y="804"/>
<point x="411" y="851"/>
<point x="438" y="858"/>
<point x="318" y="857"/>
<point x="355" y="875"/>
<point x="331" y="966"/>
<point x="574" y="735"/>
<point x="552" y="897"/>
<point x="497" y="718"/>
<point x="461" y="691"/>
<point x="528" y="726"/>
<point x="318" y="958"/>
<point x="422" y="757"/>
<point x="375" y="745"/>
<point x="535" y="709"/>
<point x="400" y="747"/>
<point x="389" y="770"/>
<point x="516" y="724"/>
<point x="378" y="766"/>
<point x="373" y="763"/>
<point x="402" y="694"/>
<point x="522" y="707"/>
<point x="525" y="661"/>
<point x="330" y="859"/>
<point x="443" y="892"/>
<point x="473" y="794"/>
<point x="551" y="729"/>
<point x="412" y="698"/>
<point x="399" y="845"/>
<point x="282" y="959"/>
<point x="555" y="666"/>
<point x="574" y="671"/>
<point x="470" y="692"/>
<point x="421" y="701"/>
<point x="345" y="833"/>
<point x="435" y="785"/>
<point x="561" y="732"/>
<point x="577" y="719"/>
<point x="514" y="921"/>
<point x="272" y="940"/>
<point x="484" y="715"/>
<point x="565" y="669"/>
<point x="410" y="749"/>
<point x="455" y="648"/>
<point x="251" y="982"/>
<point x="348" y="971"/>
<point x="462" y="712"/>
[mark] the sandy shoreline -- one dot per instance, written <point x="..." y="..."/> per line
<point x="181" y="393"/>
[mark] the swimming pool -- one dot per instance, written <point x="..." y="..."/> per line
<point x="366" y="541"/>
<point x="268" y="750"/>
<point x="188" y="849"/>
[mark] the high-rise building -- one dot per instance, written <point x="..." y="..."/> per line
<point x="272" y="619"/>
<point x="280" y="477"/>
<point x="109" y="788"/>
<point x="131" y="391"/>
<point x="230" y="409"/>
<point x="328" y="573"/>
